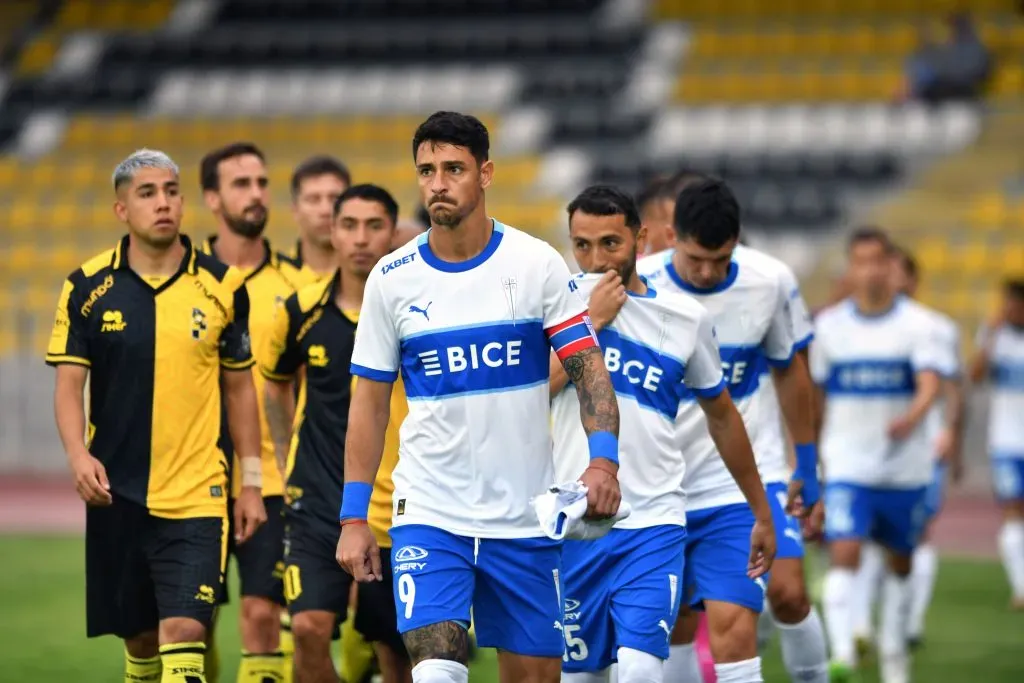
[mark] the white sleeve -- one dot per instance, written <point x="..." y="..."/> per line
<point x="704" y="367"/>
<point x="779" y="341"/>
<point x="952" y="339"/>
<point x="818" y="360"/>
<point x="375" y="354"/>
<point x="931" y="351"/>
<point x="800" y="316"/>
<point x="562" y="300"/>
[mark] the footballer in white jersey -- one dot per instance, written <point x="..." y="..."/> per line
<point x="750" y="302"/>
<point x="999" y="361"/>
<point x="625" y="589"/>
<point x="878" y="359"/>
<point x="469" y="314"/>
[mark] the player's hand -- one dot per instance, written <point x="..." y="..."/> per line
<point x="946" y="446"/>
<point x="762" y="548"/>
<point x="603" y="494"/>
<point x="814" y="522"/>
<point x="902" y="427"/>
<point x="358" y="553"/>
<point x="250" y="513"/>
<point x="606" y="299"/>
<point x="91" y="479"/>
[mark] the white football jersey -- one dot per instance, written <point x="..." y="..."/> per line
<point x="751" y="314"/>
<point x="770" y="439"/>
<point x="660" y="351"/>
<point x="472" y="340"/>
<point x="867" y="367"/>
<point x="1006" y="372"/>
<point x="949" y="336"/>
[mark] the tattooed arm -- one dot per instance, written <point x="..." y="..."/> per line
<point x="599" y="413"/>
<point x="279" y="407"/>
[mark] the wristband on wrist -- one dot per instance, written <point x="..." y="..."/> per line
<point x="252" y="472"/>
<point x="604" y="445"/>
<point x="355" y="500"/>
<point x="806" y="459"/>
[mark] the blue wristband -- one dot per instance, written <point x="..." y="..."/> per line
<point x="604" y="445"/>
<point x="355" y="500"/>
<point x="807" y="459"/>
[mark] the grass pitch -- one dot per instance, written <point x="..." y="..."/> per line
<point x="971" y="635"/>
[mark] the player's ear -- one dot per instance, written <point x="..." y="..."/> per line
<point x="212" y="200"/>
<point x="486" y="173"/>
<point x="120" y="210"/>
<point x="641" y="240"/>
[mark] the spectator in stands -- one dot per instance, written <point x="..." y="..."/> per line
<point x="954" y="69"/>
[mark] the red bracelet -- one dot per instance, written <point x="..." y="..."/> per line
<point x="353" y="521"/>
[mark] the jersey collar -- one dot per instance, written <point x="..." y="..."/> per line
<point x="269" y="255"/>
<point x="730" y="278"/>
<point x="423" y="246"/>
<point x="119" y="260"/>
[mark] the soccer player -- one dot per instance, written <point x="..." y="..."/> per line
<point x="623" y="591"/>
<point x="160" y="327"/>
<point x="999" y="359"/>
<point x="876" y="357"/>
<point x="761" y="324"/>
<point x="945" y="423"/>
<point x="316" y="184"/>
<point x="316" y="331"/>
<point x="468" y="313"/>
<point x="234" y="183"/>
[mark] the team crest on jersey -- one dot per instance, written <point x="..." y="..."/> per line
<point x="508" y="284"/>
<point x="198" y="325"/>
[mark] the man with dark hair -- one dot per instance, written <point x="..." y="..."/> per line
<point x="316" y="184"/>
<point x="661" y="352"/>
<point x="945" y="425"/>
<point x="314" y="331"/>
<point x="999" y="360"/>
<point x="762" y="325"/>
<point x="235" y="189"/>
<point x="878" y="360"/>
<point x="469" y="316"/>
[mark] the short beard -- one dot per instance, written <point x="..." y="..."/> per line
<point x="244" y="227"/>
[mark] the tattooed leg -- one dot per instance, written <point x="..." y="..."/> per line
<point x="446" y="640"/>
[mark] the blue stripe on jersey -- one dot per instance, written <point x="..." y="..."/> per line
<point x="742" y="367"/>
<point x="638" y="371"/>
<point x="1008" y="375"/>
<point x="873" y="378"/>
<point x="474" y="360"/>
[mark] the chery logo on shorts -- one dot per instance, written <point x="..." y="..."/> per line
<point x="408" y="558"/>
<point x="572" y="609"/>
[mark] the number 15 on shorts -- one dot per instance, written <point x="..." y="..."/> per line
<point x="575" y="647"/>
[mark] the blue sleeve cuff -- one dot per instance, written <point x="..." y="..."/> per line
<point x="804" y="343"/>
<point x="711" y="392"/>
<point x="371" y="373"/>
<point x="781" y="363"/>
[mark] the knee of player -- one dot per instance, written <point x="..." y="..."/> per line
<point x="446" y="640"/>
<point x="261" y="613"/>
<point x="182" y="630"/>
<point x="312" y="628"/>
<point x="639" y="667"/>
<point x="143" y="646"/>
<point x="788" y="599"/>
<point x="733" y="633"/>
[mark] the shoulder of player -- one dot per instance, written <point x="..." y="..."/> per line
<point x="94" y="270"/>
<point x="677" y="305"/>
<point x="310" y="296"/>
<point x="833" y="313"/>
<point x="652" y="265"/>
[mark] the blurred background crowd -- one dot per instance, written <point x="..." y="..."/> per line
<point x="822" y="114"/>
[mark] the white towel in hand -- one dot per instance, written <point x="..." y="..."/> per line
<point x="561" y="513"/>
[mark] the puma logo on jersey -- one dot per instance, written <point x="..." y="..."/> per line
<point x="417" y="309"/>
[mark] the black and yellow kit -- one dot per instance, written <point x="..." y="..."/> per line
<point x="155" y="354"/>
<point x="259" y="559"/>
<point x="314" y="333"/>
<point x="294" y="266"/>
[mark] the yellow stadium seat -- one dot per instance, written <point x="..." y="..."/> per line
<point x="975" y="258"/>
<point x="1011" y="260"/>
<point x="41" y="299"/>
<point x="934" y="255"/>
<point x="22" y="259"/>
<point x="989" y="211"/>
